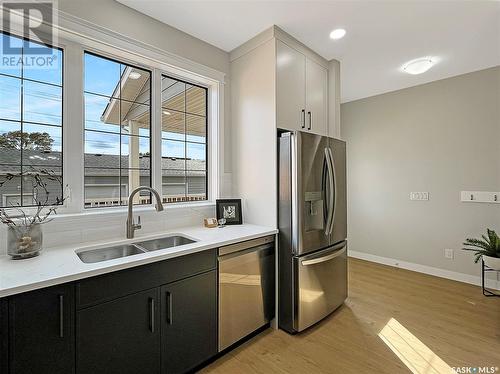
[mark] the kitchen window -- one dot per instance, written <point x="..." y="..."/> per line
<point x="117" y="121"/>
<point x="184" y="141"/>
<point x="31" y="125"/>
<point x="131" y="118"/>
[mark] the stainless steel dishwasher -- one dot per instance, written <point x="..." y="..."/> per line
<point x="246" y="288"/>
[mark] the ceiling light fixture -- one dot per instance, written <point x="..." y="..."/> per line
<point x="134" y="75"/>
<point x="337" y="34"/>
<point x="419" y="65"/>
<point x="166" y="113"/>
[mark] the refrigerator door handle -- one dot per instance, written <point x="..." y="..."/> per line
<point x="333" y="191"/>
<point x="326" y="258"/>
<point x="330" y="197"/>
<point x="323" y="188"/>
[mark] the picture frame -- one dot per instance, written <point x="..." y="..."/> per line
<point x="230" y="209"/>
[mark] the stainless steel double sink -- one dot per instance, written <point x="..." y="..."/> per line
<point x="124" y="250"/>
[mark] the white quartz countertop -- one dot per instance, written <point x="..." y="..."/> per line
<point x="61" y="264"/>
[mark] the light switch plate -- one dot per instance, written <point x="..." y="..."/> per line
<point x="419" y="196"/>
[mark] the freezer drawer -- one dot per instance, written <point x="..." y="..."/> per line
<point x="246" y="289"/>
<point x="322" y="284"/>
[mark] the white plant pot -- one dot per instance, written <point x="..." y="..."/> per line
<point x="492" y="262"/>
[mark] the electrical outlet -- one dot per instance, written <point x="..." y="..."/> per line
<point x="419" y="196"/>
<point x="449" y="254"/>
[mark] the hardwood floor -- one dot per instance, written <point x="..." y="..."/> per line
<point x="432" y="323"/>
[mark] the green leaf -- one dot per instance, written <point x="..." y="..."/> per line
<point x="476" y="243"/>
<point x="489" y="245"/>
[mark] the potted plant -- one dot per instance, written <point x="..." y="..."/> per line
<point x="487" y="248"/>
<point x="24" y="231"/>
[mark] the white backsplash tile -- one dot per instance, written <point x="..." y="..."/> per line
<point x="79" y="229"/>
<point x="53" y="239"/>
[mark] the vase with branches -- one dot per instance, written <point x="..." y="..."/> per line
<point x="487" y="248"/>
<point x="24" y="237"/>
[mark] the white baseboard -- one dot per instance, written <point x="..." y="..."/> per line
<point x="453" y="275"/>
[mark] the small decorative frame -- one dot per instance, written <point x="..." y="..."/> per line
<point x="230" y="209"/>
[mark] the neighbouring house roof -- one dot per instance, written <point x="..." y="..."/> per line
<point x="97" y="165"/>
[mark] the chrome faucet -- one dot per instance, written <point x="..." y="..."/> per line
<point x="131" y="226"/>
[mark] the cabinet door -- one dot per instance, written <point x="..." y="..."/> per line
<point x="120" y="336"/>
<point x="316" y="98"/>
<point x="41" y="331"/>
<point x="334" y="99"/>
<point x="290" y="87"/>
<point x="189" y="322"/>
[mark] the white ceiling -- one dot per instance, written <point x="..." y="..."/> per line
<point x="381" y="35"/>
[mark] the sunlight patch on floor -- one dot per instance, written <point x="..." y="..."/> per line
<point x="411" y="351"/>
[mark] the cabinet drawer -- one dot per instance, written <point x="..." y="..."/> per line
<point x="107" y="287"/>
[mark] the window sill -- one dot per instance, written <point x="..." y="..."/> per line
<point x="122" y="210"/>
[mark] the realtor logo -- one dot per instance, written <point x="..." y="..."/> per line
<point x="33" y="21"/>
<point x="32" y="16"/>
<point x="475" y="370"/>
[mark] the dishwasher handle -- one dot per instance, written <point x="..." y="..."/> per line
<point x="238" y="247"/>
<point x="261" y="248"/>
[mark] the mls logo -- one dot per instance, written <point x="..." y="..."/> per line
<point x="34" y="21"/>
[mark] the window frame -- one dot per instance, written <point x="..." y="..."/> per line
<point x="151" y="132"/>
<point x="207" y="136"/>
<point x="31" y="209"/>
<point x="73" y="39"/>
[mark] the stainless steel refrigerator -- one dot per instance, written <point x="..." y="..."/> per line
<point x="313" y="228"/>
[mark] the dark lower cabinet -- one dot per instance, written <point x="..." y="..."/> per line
<point x="41" y="331"/>
<point x="165" y="324"/>
<point x="120" y="336"/>
<point x="189" y="322"/>
<point x="4" y="336"/>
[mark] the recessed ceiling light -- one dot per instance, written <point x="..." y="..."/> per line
<point x="166" y="113"/>
<point x="337" y="34"/>
<point x="419" y="65"/>
<point x="134" y="75"/>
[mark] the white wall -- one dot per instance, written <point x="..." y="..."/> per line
<point x="441" y="137"/>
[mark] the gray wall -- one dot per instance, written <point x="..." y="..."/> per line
<point x="441" y="137"/>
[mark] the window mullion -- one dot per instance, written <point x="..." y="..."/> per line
<point x="156" y="129"/>
<point x="73" y="139"/>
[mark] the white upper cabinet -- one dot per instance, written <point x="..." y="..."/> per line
<point x="290" y="87"/>
<point x="301" y="91"/>
<point x="334" y="99"/>
<point x="316" y="98"/>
